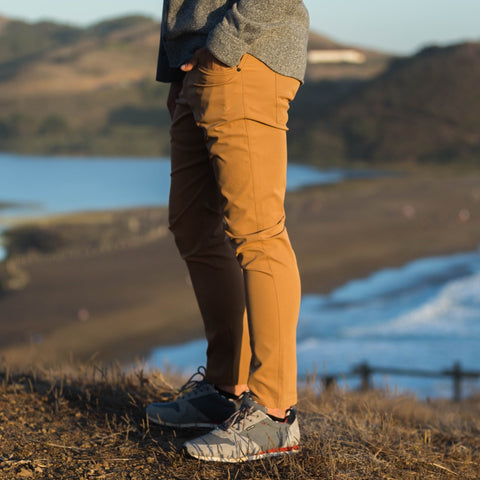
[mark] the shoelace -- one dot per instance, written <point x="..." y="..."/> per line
<point x="237" y="417"/>
<point x="191" y="383"/>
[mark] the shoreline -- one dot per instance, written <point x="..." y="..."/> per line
<point x="117" y="304"/>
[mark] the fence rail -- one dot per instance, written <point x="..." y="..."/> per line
<point x="366" y="371"/>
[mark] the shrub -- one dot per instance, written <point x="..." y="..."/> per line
<point x="26" y="239"/>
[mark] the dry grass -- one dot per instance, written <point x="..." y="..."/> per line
<point x="89" y="423"/>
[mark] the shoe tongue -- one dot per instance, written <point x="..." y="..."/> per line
<point x="250" y="403"/>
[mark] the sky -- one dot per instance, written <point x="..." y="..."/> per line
<point x="397" y="26"/>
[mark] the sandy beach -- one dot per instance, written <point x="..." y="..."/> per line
<point x="118" y="301"/>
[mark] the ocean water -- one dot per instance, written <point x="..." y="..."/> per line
<point x="423" y="315"/>
<point x="38" y="186"/>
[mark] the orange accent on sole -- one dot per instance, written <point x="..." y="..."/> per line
<point x="280" y="450"/>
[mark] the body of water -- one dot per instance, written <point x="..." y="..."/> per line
<point x="423" y="315"/>
<point x="35" y="186"/>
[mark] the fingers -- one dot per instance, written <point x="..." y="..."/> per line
<point x="203" y="57"/>
<point x="190" y="65"/>
<point x="193" y="62"/>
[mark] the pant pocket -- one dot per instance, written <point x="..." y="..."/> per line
<point x="214" y="98"/>
<point x="210" y="74"/>
<point x="286" y="88"/>
<point x="267" y="94"/>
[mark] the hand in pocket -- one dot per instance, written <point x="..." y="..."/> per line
<point x="204" y="58"/>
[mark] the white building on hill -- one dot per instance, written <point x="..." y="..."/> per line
<point x="336" y="56"/>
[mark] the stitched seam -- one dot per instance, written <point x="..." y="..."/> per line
<point x="262" y="242"/>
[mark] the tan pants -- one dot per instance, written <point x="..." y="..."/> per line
<point x="229" y="160"/>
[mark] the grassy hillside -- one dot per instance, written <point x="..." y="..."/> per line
<point x="21" y="41"/>
<point x="92" y="91"/>
<point x="89" y="423"/>
<point x="72" y="92"/>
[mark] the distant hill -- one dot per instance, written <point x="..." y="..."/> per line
<point x="425" y="108"/>
<point x="67" y="59"/>
<point x="69" y="90"/>
<point x="91" y="90"/>
<point x="20" y="40"/>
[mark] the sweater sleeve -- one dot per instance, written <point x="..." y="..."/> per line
<point x="244" y="23"/>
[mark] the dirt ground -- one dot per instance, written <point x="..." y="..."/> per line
<point x="117" y="288"/>
<point x="89" y="423"/>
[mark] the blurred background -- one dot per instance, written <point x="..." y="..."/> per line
<point x="383" y="202"/>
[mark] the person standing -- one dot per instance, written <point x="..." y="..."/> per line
<point x="234" y="67"/>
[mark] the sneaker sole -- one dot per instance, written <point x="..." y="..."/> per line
<point x="258" y="456"/>
<point x="182" y="425"/>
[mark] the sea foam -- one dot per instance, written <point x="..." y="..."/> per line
<point x="425" y="314"/>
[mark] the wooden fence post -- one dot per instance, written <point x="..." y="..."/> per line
<point x="457" y="376"/>
<point x="329" y="381"/>
<point x="365" y="372"/>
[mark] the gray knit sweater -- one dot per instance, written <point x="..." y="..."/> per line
<point x="274" y="31"/>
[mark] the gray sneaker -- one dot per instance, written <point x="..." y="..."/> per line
<point x="249" y="434"/>
<point x="199" y="405"/>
